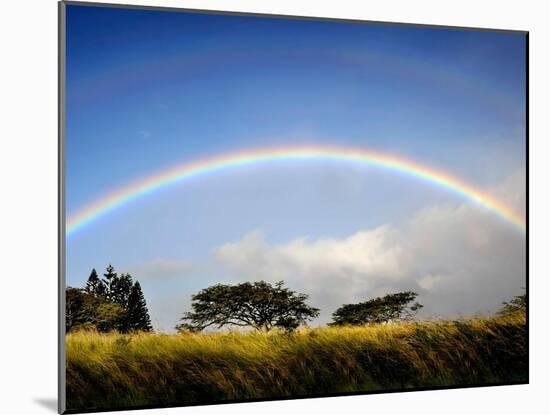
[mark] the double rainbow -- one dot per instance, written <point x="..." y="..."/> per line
<point x="189" y="170"/>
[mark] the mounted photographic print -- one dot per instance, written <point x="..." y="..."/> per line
<point x="258" y="207"/>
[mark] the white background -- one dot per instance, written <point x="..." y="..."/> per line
<point x="28" y="224"/>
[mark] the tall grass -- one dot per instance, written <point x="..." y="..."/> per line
<point x="115" y="370"/>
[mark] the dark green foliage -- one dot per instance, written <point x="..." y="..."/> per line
<point x="109" y="280"/>
<point x="138" y="315"/>
<point x="391" y="307"/>
<point x="77" y="308"/>
<point x="109" y="316"/>
<point x="517" y="305"/>
<point x="112" y="303"/>
<point x="94" y="285"/>
<point x="259" y="305"/>
<point x="120" y="289"/>
<point x="89" y="311"/>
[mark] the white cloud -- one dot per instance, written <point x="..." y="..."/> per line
<point x="373" y="252"/>
<point x="461" y="259"/>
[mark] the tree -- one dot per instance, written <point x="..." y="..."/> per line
<point x="138" y="315"/>
<point x="516" y="305"/>
<point x="111" y="303"/>
<point x="94" y="285"/>
<point x="120" y="289"/>
<point x="109" y="316"/>
<point x="392" y="307"/>
<point x="76" y="313"/>
<point x="84" y="309"/>
<point x="109" y="280"/>
<point x="259" y="305"/>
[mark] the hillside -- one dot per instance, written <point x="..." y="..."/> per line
<point x="116" y="370"/>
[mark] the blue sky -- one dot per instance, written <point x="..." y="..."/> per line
<point x="147" y="90"/>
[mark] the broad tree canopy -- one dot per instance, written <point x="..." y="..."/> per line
<point x="392" y="307"/>
<point x="259" y="305"/>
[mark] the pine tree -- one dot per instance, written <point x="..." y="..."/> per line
<point x="138" y="315"/>
<point x="110" y="280"/>
<point x="94" y="285"/>
<point x="121" y="288"/>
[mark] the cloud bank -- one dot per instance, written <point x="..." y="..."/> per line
<point x="461" y="259"/>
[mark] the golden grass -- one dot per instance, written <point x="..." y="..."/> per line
<point x="116" y="370"/>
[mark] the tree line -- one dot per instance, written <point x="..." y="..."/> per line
<point x="116" y="303"/>
<point x="112" y="303"/>
<point x="263" y="306"/>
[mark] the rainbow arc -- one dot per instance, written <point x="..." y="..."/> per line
<point x="218" y="164"/>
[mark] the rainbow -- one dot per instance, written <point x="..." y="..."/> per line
<point x="189" y="170"/>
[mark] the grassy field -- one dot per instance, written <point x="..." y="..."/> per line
<point x="115" y="370"/>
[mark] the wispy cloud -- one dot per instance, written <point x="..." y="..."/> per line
<point x="161" y="268"/>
